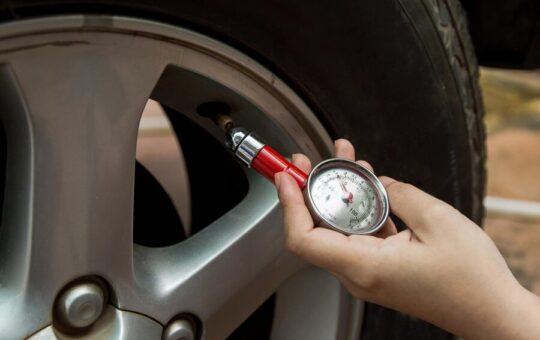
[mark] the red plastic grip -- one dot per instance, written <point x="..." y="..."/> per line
<point x="269" y="162"/>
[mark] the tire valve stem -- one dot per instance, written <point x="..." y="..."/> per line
<point x="219" y="113"/>
<point x="248" y="147"/>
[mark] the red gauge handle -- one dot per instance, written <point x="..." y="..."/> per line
<point x="269" y="162"/>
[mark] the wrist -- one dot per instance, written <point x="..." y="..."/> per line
<point x="522" y="315"/>
<point x="513" y="314"/>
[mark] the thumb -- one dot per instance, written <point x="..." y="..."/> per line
<point x="413" y="206"/>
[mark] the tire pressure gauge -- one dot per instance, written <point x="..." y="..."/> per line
<point x="340" y="194"/>
<point x="345" y="196"/>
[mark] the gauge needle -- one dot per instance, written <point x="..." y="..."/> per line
<point x="347" y="196"/>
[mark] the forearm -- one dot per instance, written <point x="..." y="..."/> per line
<point x="521" y="320"/>
<point x="511" y="313"/>
<point x="498" y="309"/>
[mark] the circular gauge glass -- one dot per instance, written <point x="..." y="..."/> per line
<point x="347" y="197"/>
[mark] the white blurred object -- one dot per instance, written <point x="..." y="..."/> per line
<point x="496" y="206"/>
<point x="159" y="152"/>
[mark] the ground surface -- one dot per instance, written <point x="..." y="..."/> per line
<point x="512" y="101"/>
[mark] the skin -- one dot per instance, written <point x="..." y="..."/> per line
<point x="443" y="269"/>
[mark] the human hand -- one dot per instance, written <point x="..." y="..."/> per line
<point x="443" y="268"/>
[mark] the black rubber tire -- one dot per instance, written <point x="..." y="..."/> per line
<point x="397" y="77"/>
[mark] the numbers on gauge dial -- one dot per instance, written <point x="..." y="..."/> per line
<point x="345" y="199"/>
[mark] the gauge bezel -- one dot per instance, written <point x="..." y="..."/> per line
<point x="382" y="196"/>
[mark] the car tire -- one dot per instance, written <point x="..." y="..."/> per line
<point x="397" y="77"/>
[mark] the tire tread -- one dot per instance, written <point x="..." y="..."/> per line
<point x="451" y="22"/>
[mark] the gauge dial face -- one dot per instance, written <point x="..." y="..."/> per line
<point x="347" y="199"/>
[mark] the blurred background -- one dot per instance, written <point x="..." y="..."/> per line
<point x="512" y="105"/>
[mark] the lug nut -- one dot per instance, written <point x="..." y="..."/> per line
<point x="81" y="305"/>
<point x="179" y="329"/>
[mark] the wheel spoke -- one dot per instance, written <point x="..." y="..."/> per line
<point x="82" y="108"/>
<point x="312" y="304"/>
<point x="223" y="273"/>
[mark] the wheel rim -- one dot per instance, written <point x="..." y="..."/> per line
<point x="74" y="90"/>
